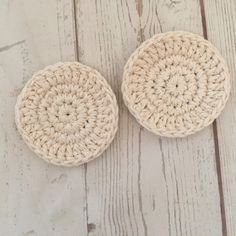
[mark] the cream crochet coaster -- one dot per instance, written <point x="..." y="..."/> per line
<point x="176" y="83"/>
<point x="67" y="114"/>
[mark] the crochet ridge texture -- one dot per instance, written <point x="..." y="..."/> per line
<point x="67" y="114"/>
<point x="175" y="84"/>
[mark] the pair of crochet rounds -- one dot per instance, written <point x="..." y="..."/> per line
<point x="175" y="84"/>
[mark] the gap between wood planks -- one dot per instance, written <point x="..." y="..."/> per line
<point x="89" y="227"/>
<point x="216" y="142"/>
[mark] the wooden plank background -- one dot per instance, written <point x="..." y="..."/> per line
<point x="143" y="184"/>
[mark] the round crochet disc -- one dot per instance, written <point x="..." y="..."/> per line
<point x="175" y="84"/>
<point x="67" y="114"/>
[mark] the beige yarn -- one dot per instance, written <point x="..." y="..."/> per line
<point x="176" y="83"/>
<point x="67" y="114"/>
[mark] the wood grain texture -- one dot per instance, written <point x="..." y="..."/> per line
<point x="36" y="198"/>
<point x="144" y="184"/>
<point x="221" y="30"/>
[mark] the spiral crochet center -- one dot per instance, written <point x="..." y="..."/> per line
<point x="67" y="114"/>
<point x="175" y="84"/>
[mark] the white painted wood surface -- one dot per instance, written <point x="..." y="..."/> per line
<point x="221" y="30"/>
<point x="143" y="184"/>
<point x="35" y="198"/>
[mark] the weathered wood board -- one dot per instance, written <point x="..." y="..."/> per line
<point x="35" y="198"/>
<point x="221" y="31"/>
<point x="145" y="185"/>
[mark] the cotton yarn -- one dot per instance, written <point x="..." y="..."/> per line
<point x="175" y="84"/>
<point x="67" y="114"/>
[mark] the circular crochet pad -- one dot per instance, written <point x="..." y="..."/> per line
<point x="175" y="84"/>
<point x="67" y="114"/>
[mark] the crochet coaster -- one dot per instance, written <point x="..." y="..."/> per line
<point x="67" y="114"/>
<point x="175" y="84"/>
